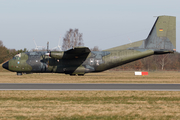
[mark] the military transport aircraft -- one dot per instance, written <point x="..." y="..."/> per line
<point x="80" y="60"/>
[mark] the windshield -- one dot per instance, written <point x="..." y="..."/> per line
<point x="17" y="57"/>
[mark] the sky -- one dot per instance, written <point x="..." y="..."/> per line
<point x="104" y="23"/>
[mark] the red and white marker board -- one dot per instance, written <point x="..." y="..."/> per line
<point x="141" y="73"/>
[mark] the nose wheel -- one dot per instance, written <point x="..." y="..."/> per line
<point x="18" y="73"/>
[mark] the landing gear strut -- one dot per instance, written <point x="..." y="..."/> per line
<point x="76" y="74"/>
<point x="18" y="73"/>
<point x="80" y="74"/>
<point x="72" y="74"/>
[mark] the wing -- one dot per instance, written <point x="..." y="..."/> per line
<point x="77" y="52"/>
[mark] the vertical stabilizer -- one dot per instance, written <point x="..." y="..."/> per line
<point x="163" y="34"/>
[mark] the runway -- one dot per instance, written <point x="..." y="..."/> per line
<point x="70" y="86"/>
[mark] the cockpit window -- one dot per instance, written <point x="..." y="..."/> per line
<point x="17" y="57"/>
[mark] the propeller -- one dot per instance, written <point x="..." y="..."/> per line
<point x="48" y="47"/>
<point x="48" y="53"/>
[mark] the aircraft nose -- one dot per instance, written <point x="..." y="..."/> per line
<point x="6" y="65"/>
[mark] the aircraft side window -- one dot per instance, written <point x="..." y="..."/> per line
<point x="91" y="61"/>
<point x="18" y="58"/>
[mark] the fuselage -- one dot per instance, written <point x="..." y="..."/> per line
<point x="96" y="61"/>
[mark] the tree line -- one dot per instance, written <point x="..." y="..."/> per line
<point x="6" y="54"/>
<point x="168" y="62"/>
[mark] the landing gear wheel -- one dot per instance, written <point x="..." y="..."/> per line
<point x="80" y="74"/>
<point x="18" y="73"/>
<point x="72" y="74"/>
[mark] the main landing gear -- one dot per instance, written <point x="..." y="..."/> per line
<point x="76" y="74"/>
<point x="19" y="73"/>
<point x="80" y="74"/>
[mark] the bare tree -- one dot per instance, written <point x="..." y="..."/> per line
<point x="96" y="48"/>
<point x="163" y="60"/>
<point x="72" y="39"/>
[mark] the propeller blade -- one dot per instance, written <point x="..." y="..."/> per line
<point x="47" y="46"/>
<point x="47" y="53"/>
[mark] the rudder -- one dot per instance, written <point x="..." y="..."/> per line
<point x="163" y="34"/>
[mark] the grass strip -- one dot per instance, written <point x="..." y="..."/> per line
<point x="89" y="105"/>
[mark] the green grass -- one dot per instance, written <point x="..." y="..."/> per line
<point x="75" y="105"/>
<point x="116" y="117"/>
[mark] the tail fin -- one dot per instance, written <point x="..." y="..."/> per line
<point x="163" y="34"/>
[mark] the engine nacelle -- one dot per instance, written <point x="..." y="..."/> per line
<point x="56" y="54"/>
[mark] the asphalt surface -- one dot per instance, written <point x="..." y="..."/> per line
<point x="49" y="86"/>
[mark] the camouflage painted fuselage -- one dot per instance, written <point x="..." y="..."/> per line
<point x="96" y="61"/>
